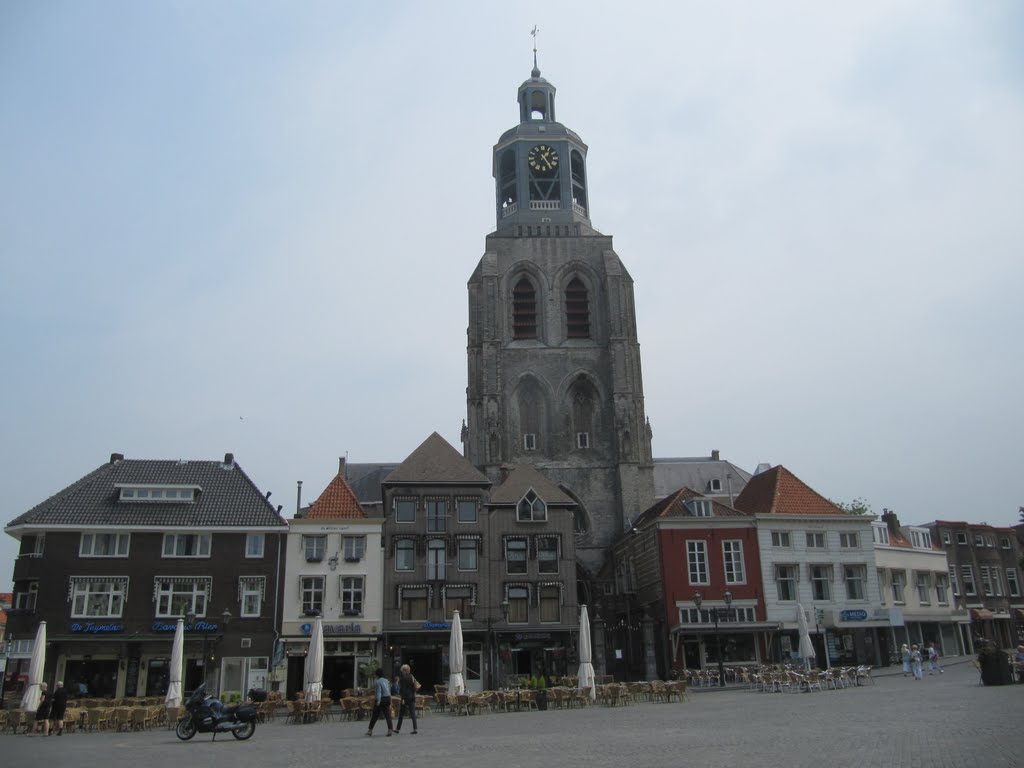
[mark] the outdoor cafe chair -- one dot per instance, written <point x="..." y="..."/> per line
<point x="423" y="702"/>
<point x="99" y="718"/>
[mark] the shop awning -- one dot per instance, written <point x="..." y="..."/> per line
<point x="980" y="614"/>
<point x="726" y="628"/>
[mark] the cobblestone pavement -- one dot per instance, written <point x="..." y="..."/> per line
<point x="944" y="721"/>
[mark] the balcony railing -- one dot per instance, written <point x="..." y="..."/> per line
<point x="545" y="205"/>
<point x="509" y="209"/>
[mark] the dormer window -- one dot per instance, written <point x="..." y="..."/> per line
<point x="714" y="484"/>
<point x="880" y="533"/>
<point x="161" y="493"/>
<point x="531" y="509"/>
<point x="700" y="507"/>
<point x="920" y="539"/>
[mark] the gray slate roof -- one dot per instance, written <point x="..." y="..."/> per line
<point x="365" y="480"/>
<point x="228" y="498"/>
<point x="521" y="478"/>
<point x="436" y="462"/>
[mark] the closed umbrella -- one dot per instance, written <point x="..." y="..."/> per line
<point x="173" y="697"/>
<point x="806" y="646"/>
<point x="585" y="674"/>
<point x="30" y="700"/>
<point x="314" y="682"/>
<point x="456" y="683"/>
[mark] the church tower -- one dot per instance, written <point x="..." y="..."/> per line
<point x="554" y="362"/>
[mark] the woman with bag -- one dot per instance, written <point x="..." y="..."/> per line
<point x="407" y="686"/>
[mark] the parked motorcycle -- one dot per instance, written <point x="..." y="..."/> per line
<point x="205" y="714"/>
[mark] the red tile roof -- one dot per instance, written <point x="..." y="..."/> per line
<point x="337" y="502"/>
<point x="779" y="492"/>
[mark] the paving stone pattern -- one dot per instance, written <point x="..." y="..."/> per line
<point x="943" y="721"/>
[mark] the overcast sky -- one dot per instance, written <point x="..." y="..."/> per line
<point x="248" y="227"/>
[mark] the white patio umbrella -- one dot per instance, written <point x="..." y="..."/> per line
<point x="806" y="646"/>
<point x="585" y="675"/>
<point x="314" y="681"/>
<point x="456" y="663"/>
<point x="30" y="700"/>
<point x="173" y="697"/>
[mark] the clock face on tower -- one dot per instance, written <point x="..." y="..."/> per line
<point x="543" y="158"/>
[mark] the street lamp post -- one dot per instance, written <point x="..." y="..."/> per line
<point x="698" y="598"/>
<point x="490" y="624"/>
<point x="9" y="641"/>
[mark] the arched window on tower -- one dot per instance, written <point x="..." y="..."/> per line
<point x="583" y="403"/>
<point x="577" y="310"/>
<point x="524" y="310"/>
<point x="507" y="180"/>
<point x="579" y="182"/>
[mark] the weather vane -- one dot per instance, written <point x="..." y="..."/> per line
<point x="534" y="32"/>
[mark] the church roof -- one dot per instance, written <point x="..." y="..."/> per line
<point x="337" y="502"/>
<point x="435" y="461"/>
<point x="778" y="491"/>
<point x="521" y="478"/>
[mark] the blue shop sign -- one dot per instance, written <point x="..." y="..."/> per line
<point x="857" y="615"/>
<point x="436" y="625"/>
<point x="199" y="626"/>
<point x="97" y="628"/>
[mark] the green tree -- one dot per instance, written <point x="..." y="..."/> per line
<point x="858" y="506"/>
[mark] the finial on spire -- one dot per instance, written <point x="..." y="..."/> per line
<point x="536" y="69"/>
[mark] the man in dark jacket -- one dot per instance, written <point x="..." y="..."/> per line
<point x="407" y="686"/>
<point x="57" y="707"/>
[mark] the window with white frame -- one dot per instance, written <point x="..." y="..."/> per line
<point x="250" y="592"/>
<point x="899" y="586"/>
<point x="961" y="538"/>
<point x="352" y="595"/>
<point x="849" y="540"/>
<point x="815" y="540"/>
<point x="697" y="558"/>
<point x="880" y="579"/>
<point x="436" y="560"/>
<point x="979" y="541"/>
<point x="967" y="576"/>
<point x="942" y="588"/>
<point x="986" y="581"/>
<point x="181" y="596"/>
<point x="311" y="593"/>
<point x="314" y="548"/>
<point x="413" y="603"/>
<point x="732" y="556"/>
<point x="515" y="556"/>
<point x="32" y="545"/>
<point x="1012" y="583"/>
<point x="437" y="515"/>
<point x="997" y="582"/>
<point x="547" y="554"/>
<point x="699" y="507"/>
<point x="920" y="539"/>
<point x="156" y="493"/>
<point x="25" y="599"/>
<point x="104" y="545"/>
<point x="781" y="539"/>
<point x="187" y="544"/>
<point x="704" y="615"/>
<point x="97" y="597"/>
<point x="990" y="541"/>
<point x="468" y="551"/>
<point x="353" y="548"/>
<point x="405" y="510"/>
<point x="821" y="582"/>
<point x="467" y="510"/>
<point x="786" y="577"/>
<point x="954" y="582"/>
<point x="405" y="555"/>
<point x="924" y="588"/>
<point x="518" y="605"/>
<point x="946" y="538"/>
<point x="1004" y="542"/>
<point x="854" y="575"/>
<point x="254" y="543"/>
<point x="880" y="534"/>
<point x="531" y="509"/>
<point x="549" y="597"/>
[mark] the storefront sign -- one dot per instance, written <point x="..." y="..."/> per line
<point x="532" y="636"/>
<point x="97" y="628"/>
<point x="336" y="629"/>
<point x="857" y="615"/>
<point x="436" y="625"/>
<point x="199" y="626"/>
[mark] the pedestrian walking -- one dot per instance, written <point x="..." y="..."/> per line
<point x="905" y="653"/>
<point x="407" y="687"/>
<point x="915" y="663"/>
<point x="933" y="660"/>
<point x="57" y="708"/>
<point x="382" y="699"/>
<point x="43" y="710"/>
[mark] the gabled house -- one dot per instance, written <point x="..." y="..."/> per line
<point x="333" y="569"/>
<point x="686" y="546"/>
<point x="115" y="558"/>
<point x="822" y="558"/>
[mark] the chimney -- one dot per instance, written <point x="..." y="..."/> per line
<point x="714" y="455"/>
<point x="115" y="457"/>
<point x="341" y="466"/>
<point x="298" y="497"/>
<point x="503" y="472"/>
<point x="891" y="521"/>
<point x="229" y="460"/>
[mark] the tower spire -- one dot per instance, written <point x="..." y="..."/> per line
<point x="536" y="69"/>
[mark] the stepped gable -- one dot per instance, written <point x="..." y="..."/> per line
<point x="435" y="461"/>
<point x="778" y="491"/>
